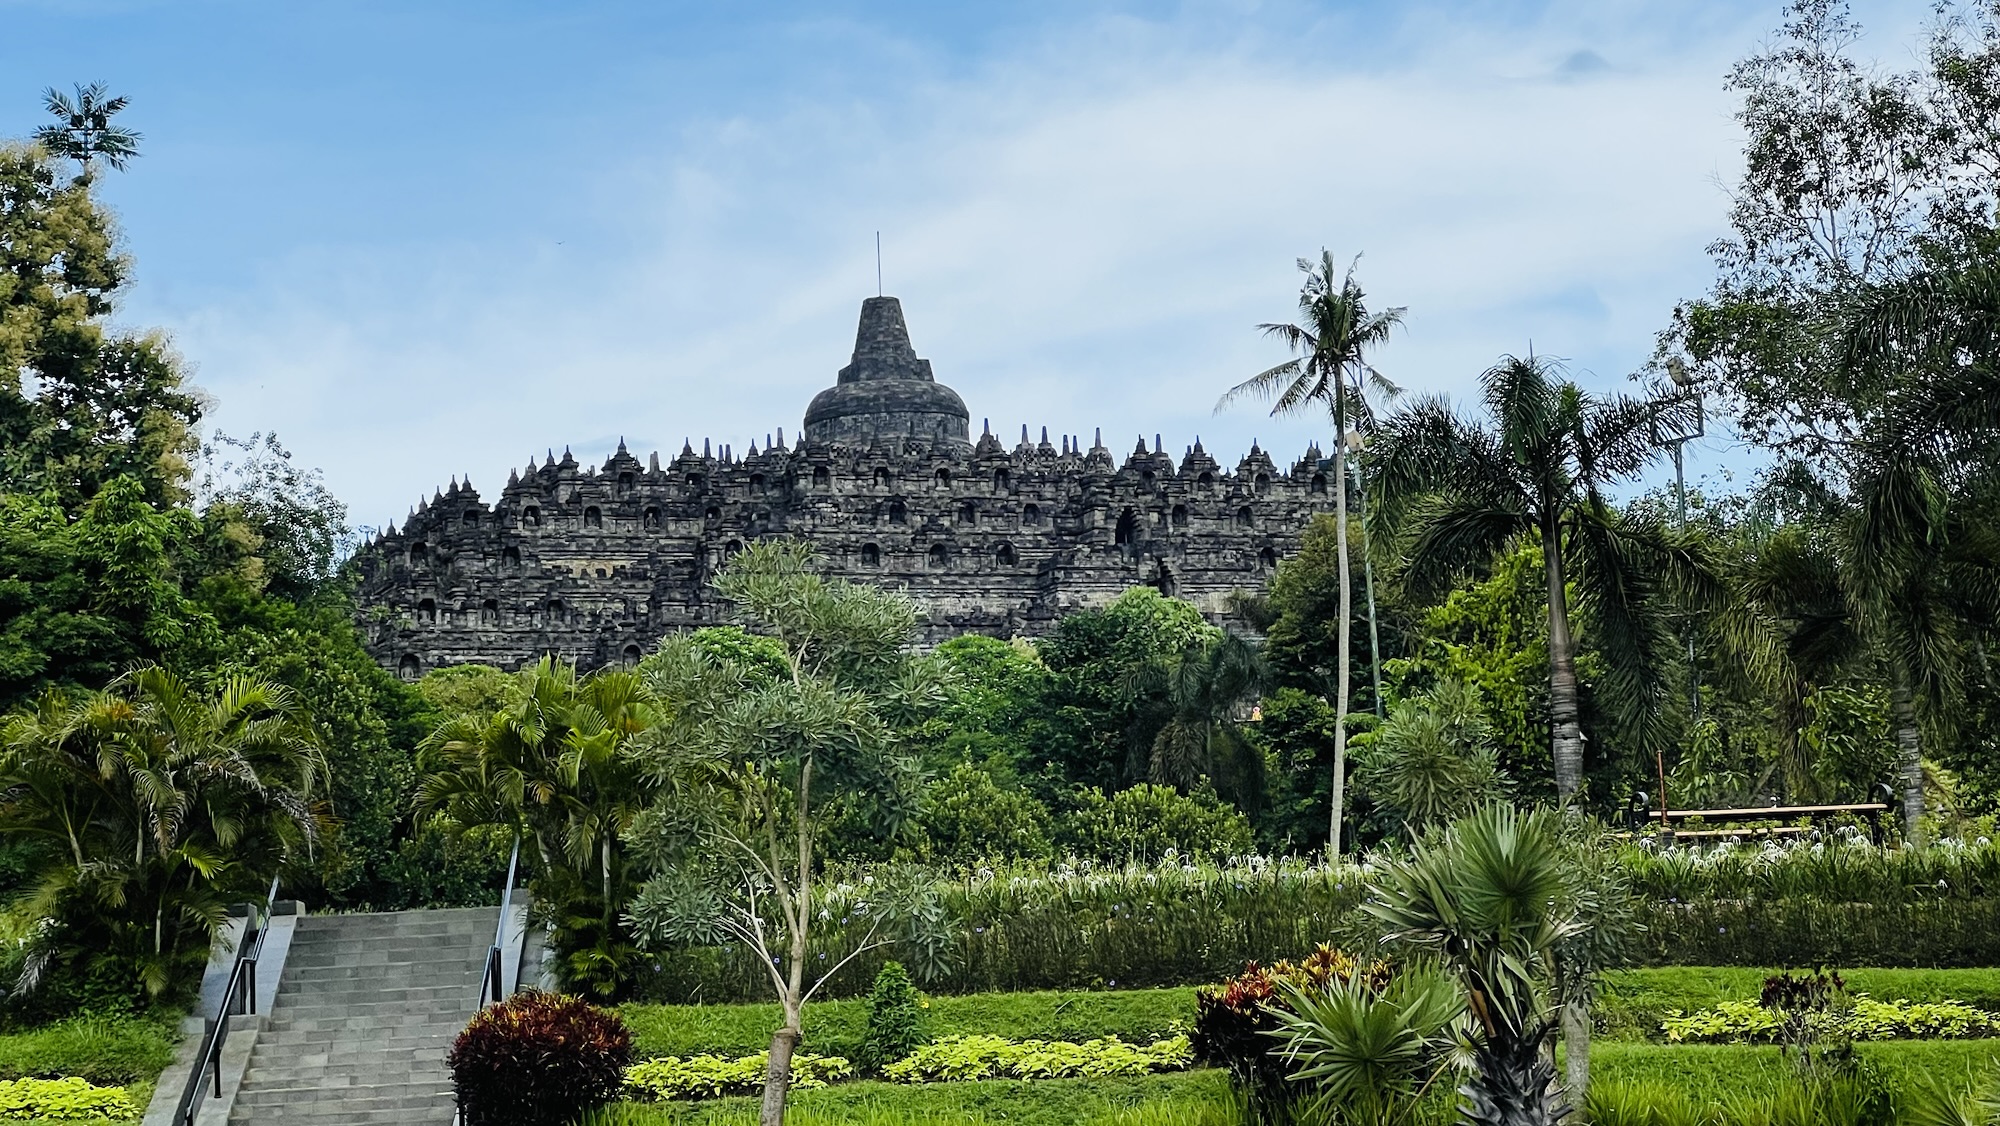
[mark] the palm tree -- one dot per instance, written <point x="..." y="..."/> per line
<point x="552" y="764"/>
<point x="1335" y="333"/>
<point x="165" y="805"/>
<point x="1492" y="898"/>
<point x="83" y="131"/>
<point x="1193" y="696"/>
<point x="1460" y="494"/>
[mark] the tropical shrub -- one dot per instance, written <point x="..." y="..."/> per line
<point x="1236" y="1023"/>
<point x="1747" y="1022"/>
<point x="968" y="816"/>
<point x="965" y="1058"/>
<point x="1149" y="823"/>
<point x="63" y="1100"/>
<point x="895" y="1018"/>
<point x="1641" y="1102"/>
<point x="711" y="1077"/>
<point x="538" y="1059"/>
<point x="1376" y="1054"/>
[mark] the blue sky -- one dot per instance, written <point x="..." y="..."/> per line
<point x="421" y="240"/>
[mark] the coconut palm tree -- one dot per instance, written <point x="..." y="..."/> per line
<point x="552" y="764"/>
<point x="165" y="804"/>
<point x="1332" y="339"/>
<point x="1493" y="899"/>
<point x="83" y="131"/>
<point x="1459" y="494"/>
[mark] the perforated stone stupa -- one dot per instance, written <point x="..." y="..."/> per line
<point x="597" y="563"/>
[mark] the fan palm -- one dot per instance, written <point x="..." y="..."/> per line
<point x="551" y="763"/>
<point x="1492" y="898"/>
<point x="1335" y="333"/>
<point x="83" y="131"/>
<point x="1460" y="494"/>
<point x="164" y="804"/>
<point x="1194" y="696"/>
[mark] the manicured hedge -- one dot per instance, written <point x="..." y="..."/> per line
<point x="1842" y="904"/>
<point x="1712" y="1073"/>
<point x="836" y="1028"/>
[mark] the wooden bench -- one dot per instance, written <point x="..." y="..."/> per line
<point x="1819" y="815"/>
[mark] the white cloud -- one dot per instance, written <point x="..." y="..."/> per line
<point x="1084" y="230"/>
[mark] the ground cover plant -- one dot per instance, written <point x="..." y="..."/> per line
<point x="64" y="1100"/>
<point x="107" y="1051"/>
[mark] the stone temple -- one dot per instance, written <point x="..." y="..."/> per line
<point x="886" y="482"/>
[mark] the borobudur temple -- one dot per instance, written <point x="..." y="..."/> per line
<point x="597" y="563"/>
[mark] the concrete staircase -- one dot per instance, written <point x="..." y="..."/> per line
<point x="366" y="1008"/>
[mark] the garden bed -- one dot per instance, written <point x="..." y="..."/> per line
<point x="1189" y="1098"/>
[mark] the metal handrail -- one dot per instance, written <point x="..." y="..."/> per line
<point x="239" y="996"/>
<point x="493" y="985"/>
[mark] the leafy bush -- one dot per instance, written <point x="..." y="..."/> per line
<point x="1235" y="1022"/>
<point x="968" y="816"/>
<point x="708" y="1077"/>
<point x="63" y="1100"/>
<point x="961" y="1058"/>
<point x="1746" y="1022"/>
<point x="537" y="1059"/>
<point x="104" y="1051"/>
<point x="1149" y="822"/>
<point x="895" y="1019"/>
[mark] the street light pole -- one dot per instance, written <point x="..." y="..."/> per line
<point x="1674" y="426"/>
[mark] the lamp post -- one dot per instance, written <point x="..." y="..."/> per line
<point x="1678" y="418"/>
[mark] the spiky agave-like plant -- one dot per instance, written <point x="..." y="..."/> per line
<point x="1490" y="895"/>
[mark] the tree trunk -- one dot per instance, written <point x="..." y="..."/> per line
<point x="1368" y="581"/>
<point x="1568" y="733"/>
<point x="1909" y="757"/>
<point x="778" y="1073"/>
<point x="1345" y="661"/>
<point x="1576" y="1051"/>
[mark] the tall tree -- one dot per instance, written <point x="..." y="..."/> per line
<point x="753" y="769"/>
<point x="1332" y="339"/>
<point x="1459" y="494"/>
<point x="83" y="130"/>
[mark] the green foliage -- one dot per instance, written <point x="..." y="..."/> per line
<point x="1097" y="734"/>
<point x="1492" y="636"/>
<point x="1642" y="1103"/>
<point x="157" y="806"/>
<point x="896" y="1025"/>
<point x="968" y="816"/>
<point x="63" y="1100"/>
<point x="837" y="1028"/>
<point x="1633" y="1003"/>
<point x="1431" y="761"/>
<point x="551" y="764"/>
<point x="965" y="1058"/>
<point x="710" y="1077"/>
<point x="538" y="1059"/>
<point x="467" y="691"/>
<point x="1150" y="823"/>
<point x="106" y="1051"/>
<point x="1373" y="1050"/>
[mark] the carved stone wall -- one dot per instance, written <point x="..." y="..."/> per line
<point x="598" y="563"/>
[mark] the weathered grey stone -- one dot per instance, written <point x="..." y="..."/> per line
<point x="598" y="563"/>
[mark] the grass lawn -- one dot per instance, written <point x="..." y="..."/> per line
<point x="109" y="1053"/>
<point x="1190" y="1098"/>
<point x="835" y="1028"/>
<point x="1712" y="1074"/>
